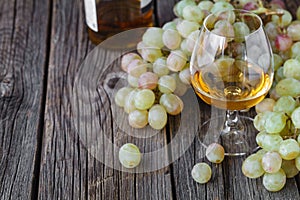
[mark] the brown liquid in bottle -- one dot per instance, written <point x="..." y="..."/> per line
<point x="115" y="16"/>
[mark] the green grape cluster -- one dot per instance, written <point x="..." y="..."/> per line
<point x="156" y="82"/>
<point x="277" y="120"/>
<point x="158" y="74"/>
<point x="278" y="116"/>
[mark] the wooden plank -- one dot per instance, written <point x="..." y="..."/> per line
<point x="63" y="173"/>
<point x="75" y="164"/>
<point x="23" y="51"/>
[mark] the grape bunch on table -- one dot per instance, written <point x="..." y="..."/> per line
<point x="158" y="75"/>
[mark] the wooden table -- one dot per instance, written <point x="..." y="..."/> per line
<point x="42" y="156"/>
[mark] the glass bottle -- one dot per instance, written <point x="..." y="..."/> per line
<point x="108" y="17"/>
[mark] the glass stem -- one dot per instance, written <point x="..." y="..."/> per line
<point x="232" y="122"/>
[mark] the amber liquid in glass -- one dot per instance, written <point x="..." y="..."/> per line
<point x="235" y="88"/>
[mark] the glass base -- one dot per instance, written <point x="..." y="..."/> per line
<point x="237" y="141"/>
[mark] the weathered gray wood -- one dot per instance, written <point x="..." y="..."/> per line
<point x="63" y="173"/>
<point x="23" y="59"/>
<point x="68" y="167"/>
<point x="90" y="178"/>
<point x="69" y="164"/>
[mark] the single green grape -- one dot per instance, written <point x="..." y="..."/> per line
<point x="193" y="13"/>
<point x="252" y="167"/>
<point x="241" y="30"/>
<point x="166" y="84"/>
<point x="283" y="87"/>
<point x="201" y="173"/>
<point x="275" y="181"/>
<point x="266" y="104"/>
<point x="148" y="80"/>
<point x="171" y="39"/>
<point x="133" y="81"/>
<point x="129" y="102"/>
<point x="138" y="118"/>
<point x="293" y="30"/>
<point x="157" y="117"/>
<point x="130" y="155"/>
<point x="160" y="67"/>
<point x="136" y="67"/>
<point x="268" y="142"/>
<point x="275" y="122"/>
<point x="260" y="120"/>
<point x="271" y="162"/>
<point x="284" y="20"/>
<point x="185" y="47"/>
<point x="169" y="25"/>
<point x="289" y="149"/>
<point x="144" y="99"/>
<point x="172" y="103"/>
<point x="153" y="37"/>
<point x="149" y="53"/>
<point x="205" y="5"/>
<point x="127" y="58"/>
<point x="224" y="28"/>
<point x="176" y="60"/>
<point x="221" y="6"/>
<point x="295" y="50"/>
<point x="179" y="6"/>
<point x="291" y="68"/>
<point x="186" y="27"/>
<point x="215" y="153"/>
<point x="121" y="95"/>
<point x="289" y="167"/>
<point x="271" y="29"/>
<point x="286" y="104"/>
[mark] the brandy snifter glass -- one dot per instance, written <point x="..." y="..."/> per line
<point x="231" y="69"/>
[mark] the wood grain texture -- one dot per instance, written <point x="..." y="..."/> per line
<point x="69" y="164"/>
<point x="42" y="48"/>
<point x="63" y="173"/>
<point x="23" y="59"/>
